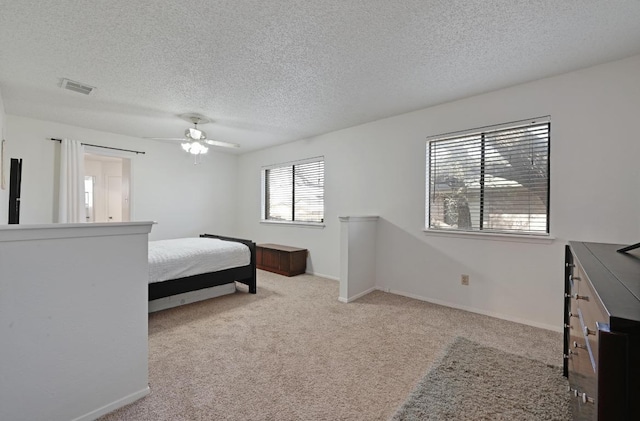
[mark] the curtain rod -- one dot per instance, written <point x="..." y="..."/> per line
<point x="103" y="147"/>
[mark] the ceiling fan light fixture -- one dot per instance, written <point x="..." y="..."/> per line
<point x="195" y="148"/>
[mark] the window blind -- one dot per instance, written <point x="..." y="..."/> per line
<point x="495" y="180"/>
<point x="295" y="192"/>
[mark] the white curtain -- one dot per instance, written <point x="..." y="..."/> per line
<point x="71" y="200"/>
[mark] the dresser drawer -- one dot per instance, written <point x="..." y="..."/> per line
<point x="582" y="367"/>
<point x="582" y="361"/>
<point x="592" y="313"/>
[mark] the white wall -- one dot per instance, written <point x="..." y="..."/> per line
<point x="357" y="256"/>
<point x="185" y="199"/>
<point x="73" y="324"/>
<point x="4" y="194"/>
<point x="379" y="169"/>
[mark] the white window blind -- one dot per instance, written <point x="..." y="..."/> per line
<point x="295" y="192"/>
<point x="494" y="180"/>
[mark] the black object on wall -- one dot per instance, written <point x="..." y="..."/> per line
<point x="629" y="248"/>
<point x="14" y="190"/>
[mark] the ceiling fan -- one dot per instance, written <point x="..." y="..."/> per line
<point x="195" y="140"/>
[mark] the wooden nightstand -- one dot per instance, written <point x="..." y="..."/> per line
<point x="284" y="260"/>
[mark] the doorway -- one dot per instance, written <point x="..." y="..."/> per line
<point x="107" y="188"/>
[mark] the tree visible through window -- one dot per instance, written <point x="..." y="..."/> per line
<point x="295" y="192"/>
<point x="493" y="180"/>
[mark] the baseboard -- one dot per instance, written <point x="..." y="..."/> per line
<point x="114" y="405"/>
<point x="355" y="297"/>
<point x="191" y="297"/>
<point x="475" y="310"/>
<point x="320" y="275"/>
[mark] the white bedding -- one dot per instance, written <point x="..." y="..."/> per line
<point x="173" y="259"/>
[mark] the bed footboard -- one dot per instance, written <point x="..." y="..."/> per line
<point x="250" y="281"/>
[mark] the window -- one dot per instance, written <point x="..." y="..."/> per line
<point x="494" y="179"/>
<point x="294" y="192"/>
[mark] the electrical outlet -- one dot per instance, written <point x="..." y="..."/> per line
<point x="464" y="279"/>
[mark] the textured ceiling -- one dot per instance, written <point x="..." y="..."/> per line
<point x="270" y="72"/>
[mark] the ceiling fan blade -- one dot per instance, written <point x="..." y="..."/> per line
<point x="221" y="143"/>
<point x="177" y="139"/>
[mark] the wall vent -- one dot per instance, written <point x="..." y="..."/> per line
<point x="77" y="87"/>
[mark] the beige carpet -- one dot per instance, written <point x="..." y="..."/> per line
<point x="294" y="352"/>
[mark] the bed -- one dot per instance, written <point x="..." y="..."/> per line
<point x="181" y="271"/>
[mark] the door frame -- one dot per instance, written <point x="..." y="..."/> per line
<point x="123" y="155"/>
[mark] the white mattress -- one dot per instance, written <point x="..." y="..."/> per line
<point x="173" y="259"/>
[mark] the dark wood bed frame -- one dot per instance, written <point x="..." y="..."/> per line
<point x="243" y="274"/>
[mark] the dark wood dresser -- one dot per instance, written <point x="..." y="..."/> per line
<point x="284" y="260"/>
<point x="602" y="331"/>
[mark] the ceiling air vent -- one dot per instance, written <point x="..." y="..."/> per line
<point x="77" y="87"/>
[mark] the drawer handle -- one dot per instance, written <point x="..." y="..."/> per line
<point x="567" y="356"/>
<point x="587" y="399"/>
<point x="577" y="345"/>
<point x="576" y="296"/>
<point x="588" y="331"/>
<point x="572" y="315"/>
<point x="567" y="326"/>
<point x="570" y="265"/>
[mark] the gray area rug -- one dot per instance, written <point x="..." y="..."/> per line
<point x="474" y="382"/>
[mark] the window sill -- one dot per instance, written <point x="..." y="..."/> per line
<point x="294" y="224"/>
<point x="516" y="238"/>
